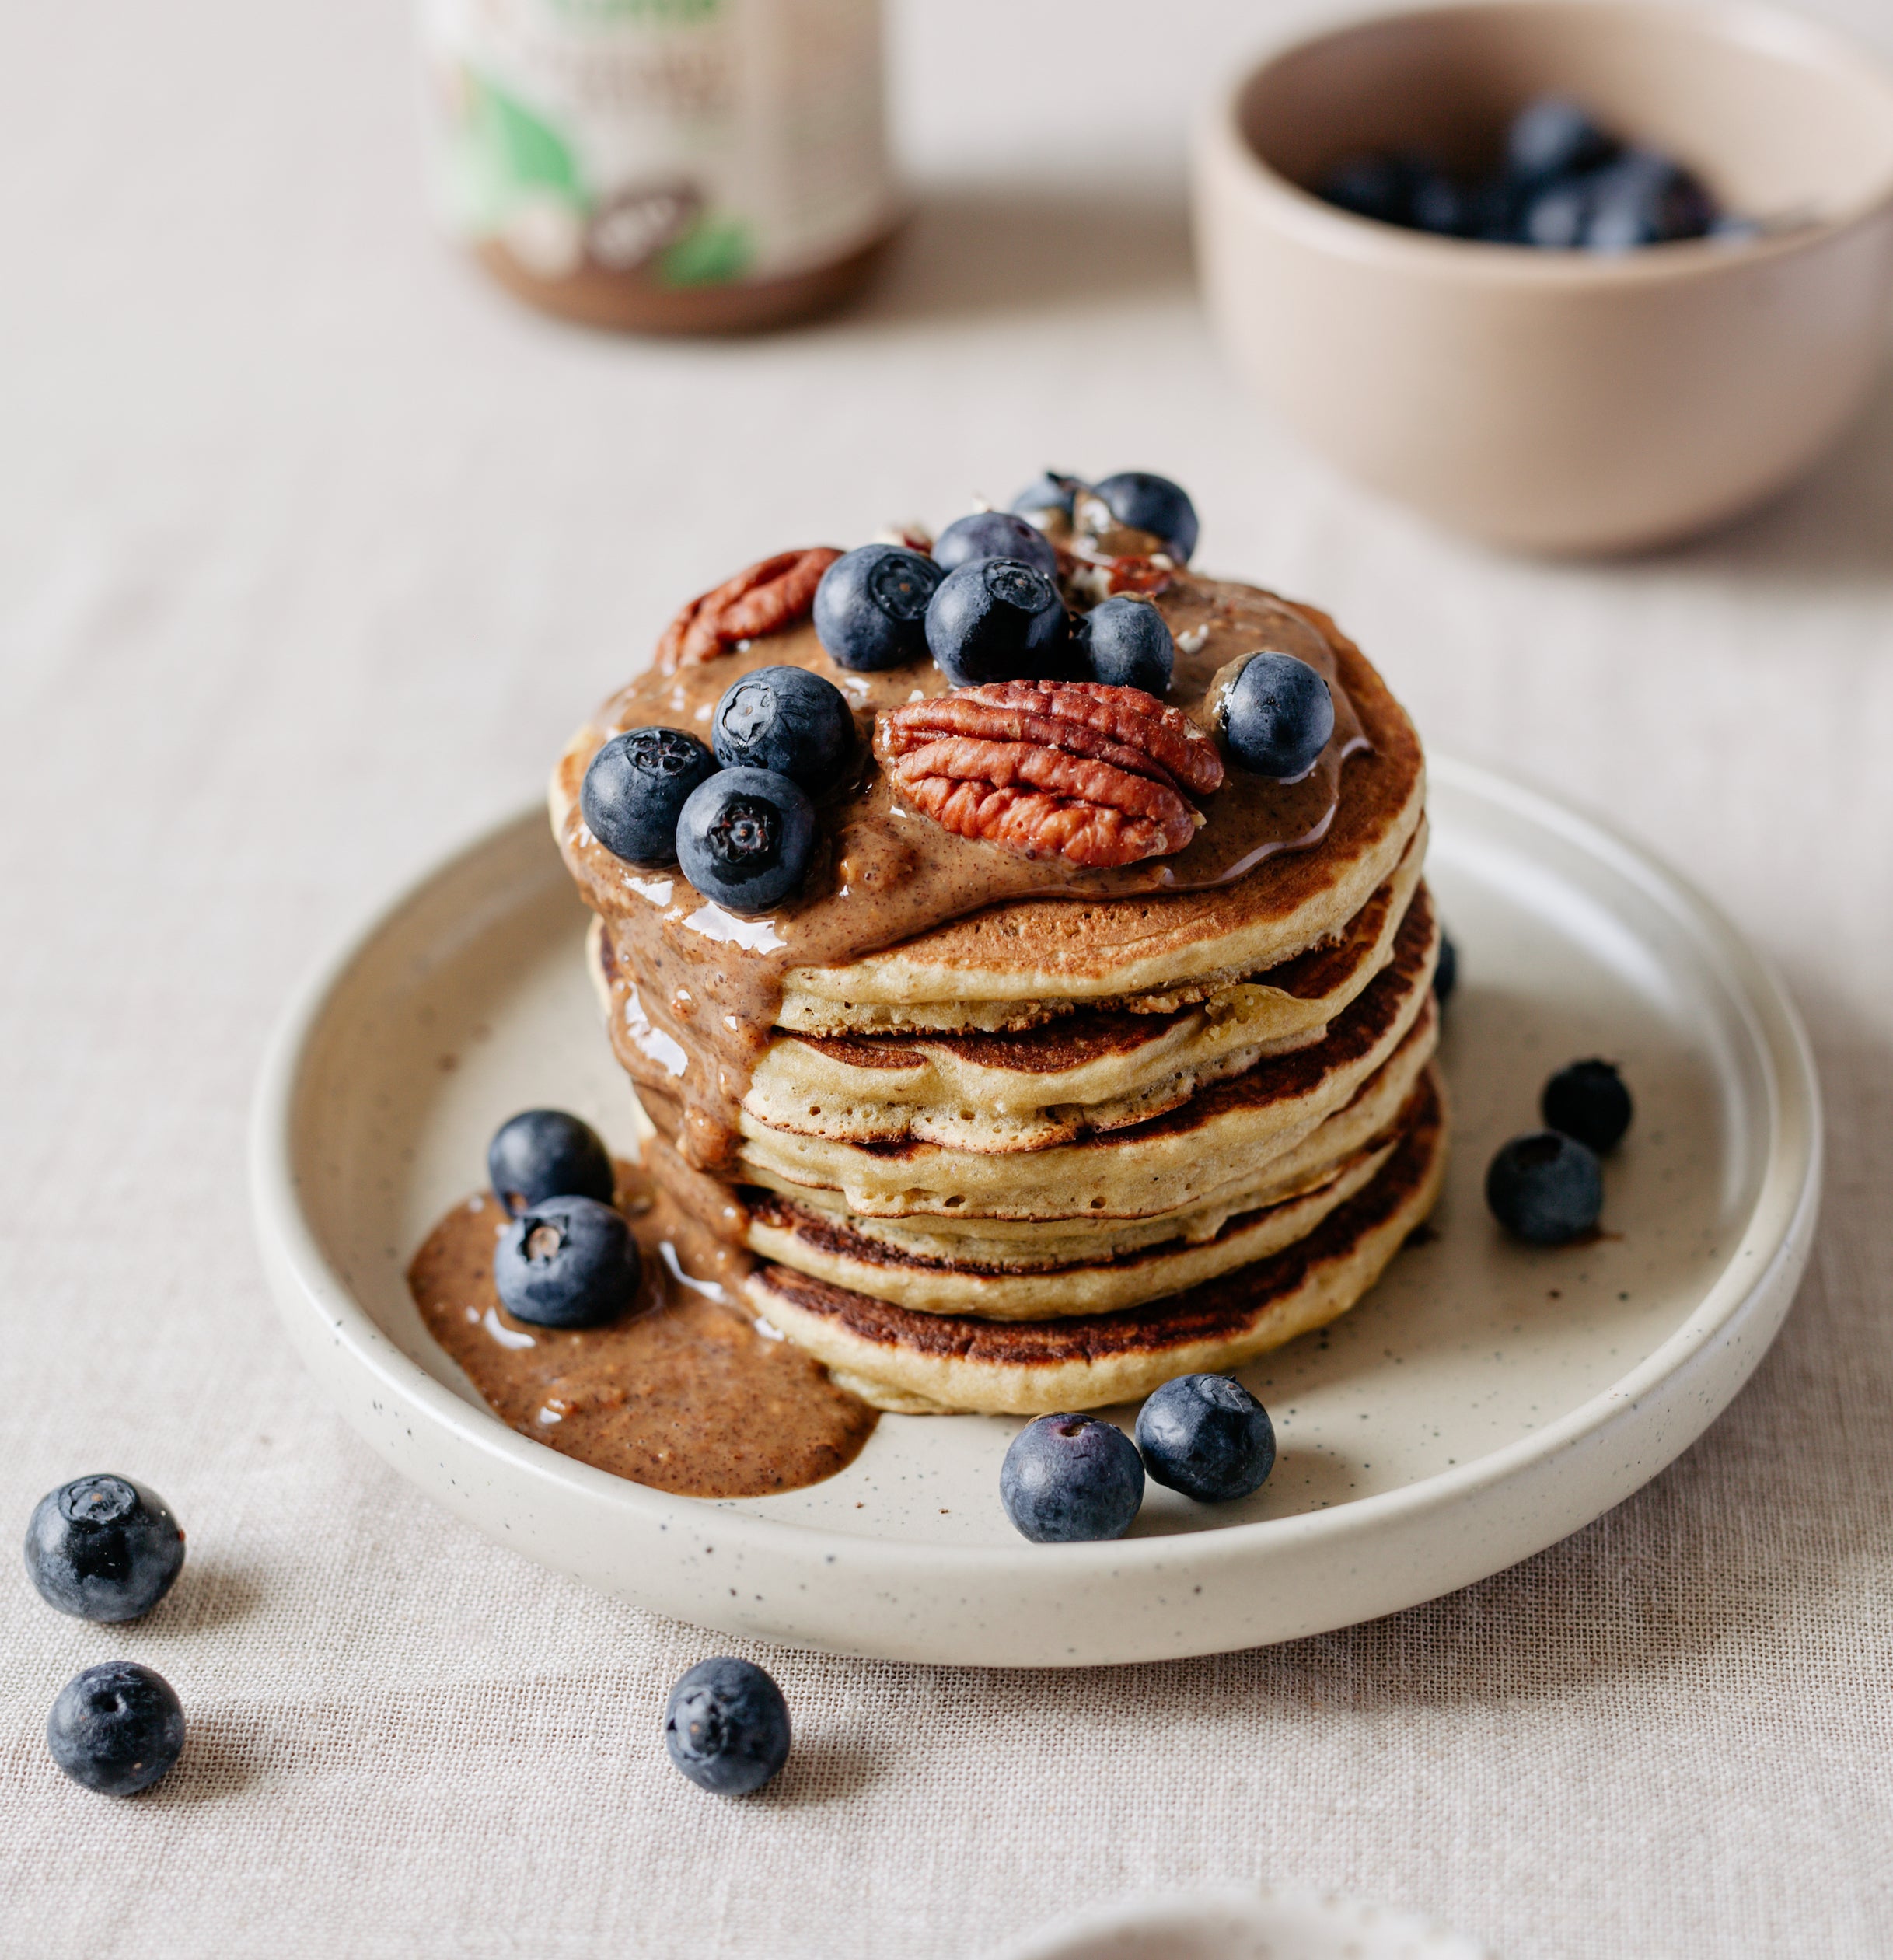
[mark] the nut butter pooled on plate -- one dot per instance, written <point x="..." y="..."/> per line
<point x="682" y="1390"/>
<point x="663" y="166"/>
<point x="1071" y="1031"/>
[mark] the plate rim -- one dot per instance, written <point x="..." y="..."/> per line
<point x="302" y="1277"/>
<point x="1262" y="1904"/>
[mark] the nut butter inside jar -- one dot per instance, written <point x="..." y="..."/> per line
<point x="663" y="166"/>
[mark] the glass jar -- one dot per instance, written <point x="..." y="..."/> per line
<point x="663" y="166"/>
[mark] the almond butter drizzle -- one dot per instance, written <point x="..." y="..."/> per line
<point x="685" y="1392"/>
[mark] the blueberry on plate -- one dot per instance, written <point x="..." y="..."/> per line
<point x="1125" y="642"/>
<point x="567" y="1261"/>
<point x="871" y="607"/>
<point x="1051" y="490"/>
<point x="789" y="720"/>
<point x="1446" y="973"/>
<point x="1545" y="1188"/>
<point x="994" y="534"/>
<point x="1275" y="714"/>
<point x="747" y="837"/>
<point x="635" y="788"/>
<point x="103" y="1548"/>
<point x="547" y="1154"/>
<point x="116" y="1728"/>
<point x="727" y="1726"/>
<point x="1144" y="502"/>
<point x="1207" y="1437"/>
<point x="1554" y="137"/>
<point x="995" y="619"/>
<point x="1587" y="1101"/>
<point x="1071" y="1477"/>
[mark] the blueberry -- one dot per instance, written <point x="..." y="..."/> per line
<point x="995" y="619"/>
<point x="636" y="787"/>
<point x="1207" y="1437"/>
<point x="1645" y="199"/>
<point x="994" y="534"/>
<point x="1496" y="208"/>
<point x="1443" y="206"/>
<point x="547" y="1154"/>
<point x="1125" y="642"/>
<point x="1378" y="185"/>
<point x="1276" y="715"/>
<point x="1545" y="1188"/>
<point x="1554" y="137"/>
<point x="789" y="720"/>
<point x="1051" y="490"/>
<point x="1446" y="971"/>
<point x="567" y="1261"/>
<point x="871" y="607"/>
<point x="747" y="837"/>
<point x="1555" y="217"/>
<point x="1069" y="1477"/>
<point x="1587" y="1101"/>
<point x="116" y="1728"/>
<point x="103" y="1548"/>
<point x="727" y="1726"/>
<point x="1143" y="502"/>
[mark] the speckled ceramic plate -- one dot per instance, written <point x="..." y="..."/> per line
<point x="1484" y="1401"/>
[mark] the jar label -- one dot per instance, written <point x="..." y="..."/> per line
<point x="684" y="142"/>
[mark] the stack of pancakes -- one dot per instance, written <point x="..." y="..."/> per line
<point x="1050" y="1154"/>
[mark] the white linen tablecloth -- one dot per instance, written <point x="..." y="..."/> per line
<point x="311" y="549"/>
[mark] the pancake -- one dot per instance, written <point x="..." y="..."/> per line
<point x="1028" y="1245"/>
<point x="970" y="944"/>
<point x="1223" y="1134"/>
<point x="913" y="1362"/>
<point x="781" y="1230"/>
<point x="1040" y="957"/>
<point x="1091" y="1070"/>
<point x="1006" y="1132"/>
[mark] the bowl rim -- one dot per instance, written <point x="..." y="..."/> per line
<point x="1767" y="29"/>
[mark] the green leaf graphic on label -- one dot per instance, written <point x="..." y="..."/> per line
<point x="529" y="155"/>
<point x="712" y="252"/>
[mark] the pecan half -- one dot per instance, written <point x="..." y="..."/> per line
<point x="1089" y="772"/>
<point x="764" y="598"/>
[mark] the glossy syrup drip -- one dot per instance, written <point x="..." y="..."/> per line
<point x="706" y="984"/>
<point x="687" y="1393"/>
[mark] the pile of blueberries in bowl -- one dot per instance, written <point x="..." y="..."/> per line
<point x="739" y="814"/>
<point x="1563" y="183"/>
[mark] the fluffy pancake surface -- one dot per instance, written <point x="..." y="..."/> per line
<point x="1093" y="1070"/>
<point x="918" y="1362"/>
<point x="1222" y="1133"/>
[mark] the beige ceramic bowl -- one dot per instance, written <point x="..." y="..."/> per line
<point x="1553" y="400"/>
